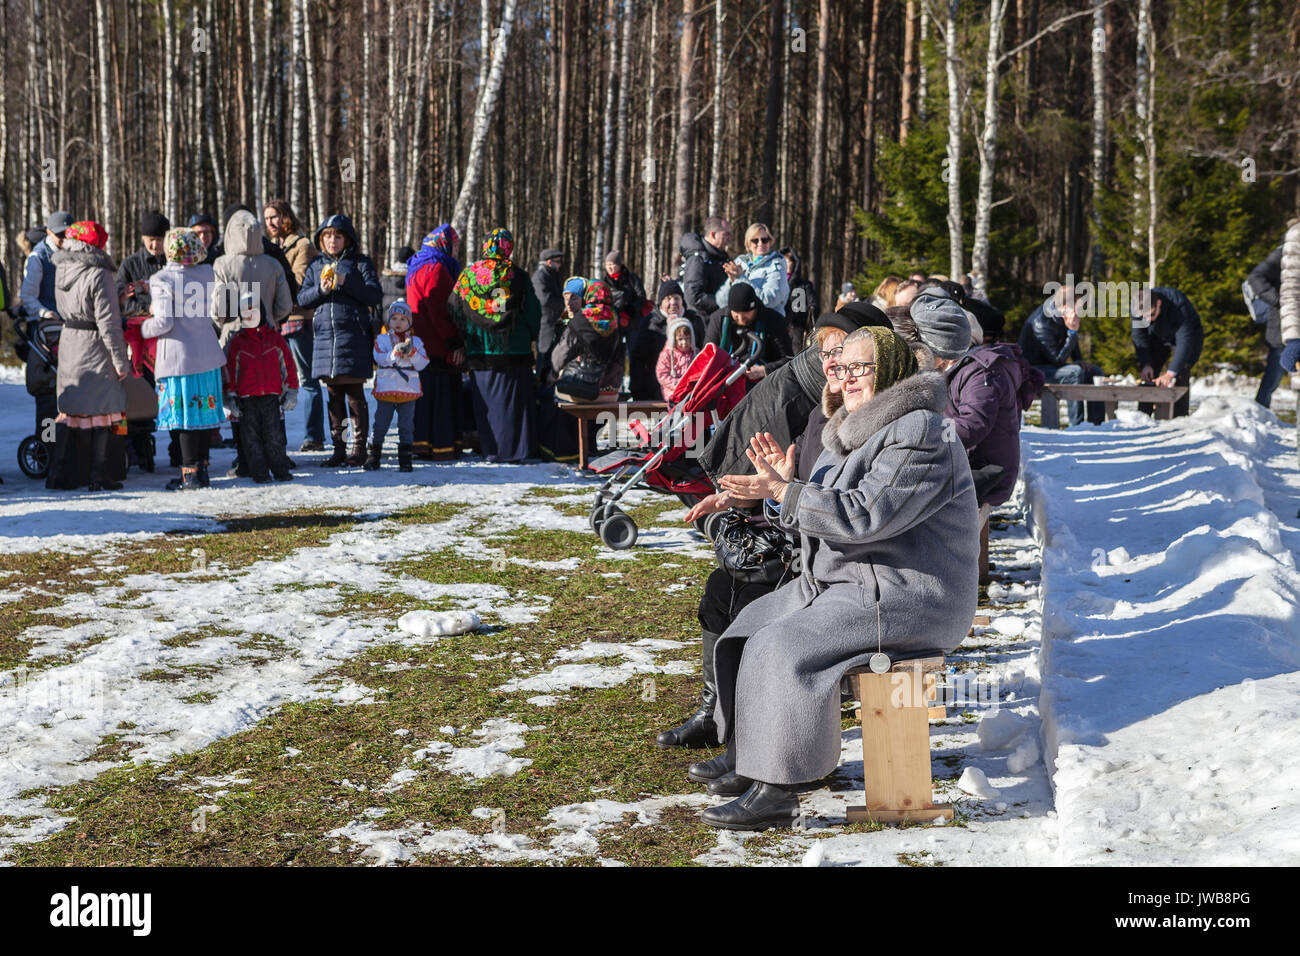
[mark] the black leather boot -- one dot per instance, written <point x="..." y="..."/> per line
<point x="99" y="480"/>
<point x="732" y="785"/>
<point x="706" y="771"/>
<point x="372" y="459"/>
<point x="762" y="806"/>
<point x="698" y="730"/>
<point x="340" y="455"/>
<point x="404" y="458"/>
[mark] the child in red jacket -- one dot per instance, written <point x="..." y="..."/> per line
<point x="260" y="371"/>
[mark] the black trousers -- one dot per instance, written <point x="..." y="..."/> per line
<point x="725" y="597"/>
<point x="261" y="436"/>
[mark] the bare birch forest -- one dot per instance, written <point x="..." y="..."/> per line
<point x="1014" y="139"/>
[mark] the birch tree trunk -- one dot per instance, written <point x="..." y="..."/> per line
<point x="685" y="120"/>
<point x="215" y="156"/>
<point x="257" y="97"/>
<point x="394" y="120"/>
<point x="955" y="253"/>
<point x="482" y="115"/>
<point x="719" y="65"/>
<point x="988" y="152"/>
<point x="922" y="71"/>
<point x="170" y="207"/>
<point x="606" y="162"/>
<point x="298" y="171"/>
<point x="1149" y="137"/>
<point x="650" y="262"/>
<point x="621" y="194"/>
<point x="314" y="123"/>
<point x="1141" y="101"/>
<point x="1098" y="130"/>
<point x="416" y="153"/>
<point x="107" y="187"/>
<point x="561" y="128"/>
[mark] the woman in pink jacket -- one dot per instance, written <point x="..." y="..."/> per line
<point x="676" y="356"/>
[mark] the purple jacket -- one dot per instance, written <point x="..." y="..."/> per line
<point x="987" y="390"/>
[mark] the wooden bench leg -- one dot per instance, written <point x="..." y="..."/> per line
<point x="1164" y="411"/>
<point x="895" y="751"/>
<point x="582" y="444"/>
<point x="1110" y="410"/>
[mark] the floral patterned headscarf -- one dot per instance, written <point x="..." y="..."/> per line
<point x="484" y="285"/>
<point x="596" y="307"/>
<point x="436" y="248"/>
<point x="184" y="246"/>
<point x="89" y="232"/>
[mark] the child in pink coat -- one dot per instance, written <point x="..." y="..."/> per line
<point x="676" y="356"/>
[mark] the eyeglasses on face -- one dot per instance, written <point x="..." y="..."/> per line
<point x="831" y="353"/>
<point x="853" y="370"/>
<point x="760" y="240"/>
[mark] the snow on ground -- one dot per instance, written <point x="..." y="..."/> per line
<point x="1171" y="688"/>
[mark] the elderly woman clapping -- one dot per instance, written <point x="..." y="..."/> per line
<point x="890" y="540"/>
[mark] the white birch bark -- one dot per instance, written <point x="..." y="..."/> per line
<point x="1140" y="107"/>
<point x="620" y="136"/>
<point x="1098" y="130"/>
<point x="482" y="115"/>
<point x="107" y="187"/>
<point x="988" y="153"/>
<point x="606" y="162"/>
<point x="169" y="204"/>
<point x="955" y="254"/>
<point x="298" y="172"/>
<point x="719" y="65"/>
<point x="416" y="154"/>
<point x="314" y="123"/>
<point x="922" y="72"/>
<point x="393" y="121"/>
<point x="650" y="261"/>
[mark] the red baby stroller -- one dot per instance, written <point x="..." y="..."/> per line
<point x="712" y="386"/>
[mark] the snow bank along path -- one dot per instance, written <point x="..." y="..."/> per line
<point x="1171" y="635"/>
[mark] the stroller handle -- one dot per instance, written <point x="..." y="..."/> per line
<point x="755" y="345"/>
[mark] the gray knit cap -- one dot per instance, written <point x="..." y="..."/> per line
<point x="943" y="325"/>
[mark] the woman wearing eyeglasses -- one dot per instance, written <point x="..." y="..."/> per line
<point x="762" y="266"/>
<point x="889" y="535"/>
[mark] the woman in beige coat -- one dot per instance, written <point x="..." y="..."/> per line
<point x="93" y="361"/>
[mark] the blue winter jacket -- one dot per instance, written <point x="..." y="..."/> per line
<point x="341" y="327"/>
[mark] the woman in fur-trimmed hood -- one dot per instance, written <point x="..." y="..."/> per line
<point x="890" y="540"/>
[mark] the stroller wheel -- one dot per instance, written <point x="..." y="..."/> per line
<point x="618" y="530"/>
<point x="33" y="457"/>
<point x="597" y="516"/>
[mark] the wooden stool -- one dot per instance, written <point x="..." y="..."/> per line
<point x="896" y="743"/>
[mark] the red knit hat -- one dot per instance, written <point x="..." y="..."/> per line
<point x="90" y="232"/>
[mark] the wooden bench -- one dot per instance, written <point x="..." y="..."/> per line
<point x="895" y="717"/>
<point x="1109" y="395"/>
<point x="589" y="411"/>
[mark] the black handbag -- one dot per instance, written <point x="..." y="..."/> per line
<point x="753" y="554"/>
<point x="579" y="381"/>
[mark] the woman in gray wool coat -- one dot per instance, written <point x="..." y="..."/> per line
<point x="890" y="538"/>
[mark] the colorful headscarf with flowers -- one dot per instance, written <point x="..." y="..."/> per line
<point x="597" y="308"/>
<point x="436" y="248"/>
<point x="484" y="285"/>
<point x="184" y="246"/>
<point x="89" y="232"/>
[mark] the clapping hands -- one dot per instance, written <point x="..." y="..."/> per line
<point x="774" y="469"/>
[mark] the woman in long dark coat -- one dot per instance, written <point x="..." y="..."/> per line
<point x="890" y="538"/>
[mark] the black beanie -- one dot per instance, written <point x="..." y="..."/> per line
<point x="666" y="288"/>
<point x="742" y="297"/>
<point x="855" y="315"/>
<point x="154" y="223"/>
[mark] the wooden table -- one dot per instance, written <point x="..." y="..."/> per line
<point x="589" y="411"/>
<point x="1109" y="395"/>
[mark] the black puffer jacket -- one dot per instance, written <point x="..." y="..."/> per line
<point x="1045" y="341"/>
<point x="1265" y="280"/>
<point x="701" y="274"/>
<point x="779" y="403"/>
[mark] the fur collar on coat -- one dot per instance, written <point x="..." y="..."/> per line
<point x="924" y="391"/>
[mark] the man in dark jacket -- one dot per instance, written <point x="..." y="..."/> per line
<point x="703" y="262"/>
<point x="548" y="283"/>
<point x="727" y="327"/>
<point x="36" y="304"/>
<point x="134" y="272"/>
<point x="1050" y="343"/>
<point x="1261" y="289"/>
<point x="803" y="308"/>
<point x="1166" y="328"/>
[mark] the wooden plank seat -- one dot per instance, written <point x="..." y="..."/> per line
<point x="1109" y="395"/>
<point x="895" y="717"/>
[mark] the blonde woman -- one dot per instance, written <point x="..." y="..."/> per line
<point x="762" y="266"/>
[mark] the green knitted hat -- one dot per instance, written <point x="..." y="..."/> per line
<point x="894" y="358"/>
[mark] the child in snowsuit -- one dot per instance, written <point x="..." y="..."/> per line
<point x="676" y="356"/>
<point x="261" y="373"/>
<point x="399" y="357"/>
